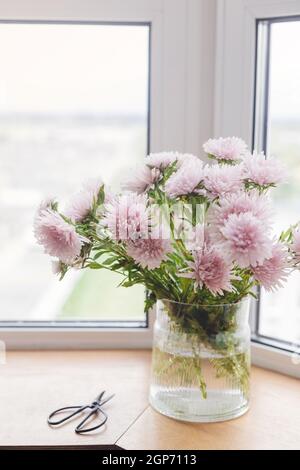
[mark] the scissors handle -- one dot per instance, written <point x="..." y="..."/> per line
<point x="80" y="429"/>
<point x="78" y="409"/>
<point x="95" y="409"/>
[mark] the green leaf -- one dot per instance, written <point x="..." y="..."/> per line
<point x="94" y="265"/>
<point x="101" y="196"/>
<point x="110" y="261"/>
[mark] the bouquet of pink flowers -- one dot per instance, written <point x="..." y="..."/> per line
<point x="192" y="233"/>
<point x="188" y="231"/>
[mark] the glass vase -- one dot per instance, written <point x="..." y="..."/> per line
<point x="201" y="361"/>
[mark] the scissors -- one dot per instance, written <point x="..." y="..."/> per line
<point x="95" y="407"/>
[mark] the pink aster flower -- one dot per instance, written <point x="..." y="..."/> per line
<point x="221" y="180"/>
<point x="185" y="157"/>
<point x="186" y="179"/>
<point x="229" y="148"/>
<point x="239" y="203"/>
<point x="93" y="185"/>
<point x="149" y="252"/>
<point x="210" y="269"/>
<point x="245" y="240"/>
<point x="82" y="202"/>
<point x="261" y="170"/>
<point x="143" y="178"/>
<point x="127" y="217"/>
<point x="161" y="160"/>
<point x="274" y="270"/>
<point x="47" y="203"/>
<point x="295" y="246"/>
<point x="58" y="238"/>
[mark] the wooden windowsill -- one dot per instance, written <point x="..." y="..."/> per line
<point x="32" y="384"/>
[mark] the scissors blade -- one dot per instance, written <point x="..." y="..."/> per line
<point x="106" y="399"/>
<point x="98" y="398"/>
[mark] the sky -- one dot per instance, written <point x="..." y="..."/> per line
<point x="285" y="70"/>
<point x="73" y="68"/>
<point x="104" y="69"/>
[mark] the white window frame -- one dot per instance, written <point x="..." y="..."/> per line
<point x="181" y="114"/>
<point x="234" y="107"/>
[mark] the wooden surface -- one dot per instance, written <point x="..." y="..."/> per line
<point x="32" y="384"/>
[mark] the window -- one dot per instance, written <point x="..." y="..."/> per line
<point x="257" y="98"/>
<point x="74" y="104"/>
<point x="277" y="129"/>
<point x="141" y="65"/>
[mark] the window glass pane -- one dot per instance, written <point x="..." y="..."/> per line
<point x="280" y="311"/>
<point x="73" y="105"/>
